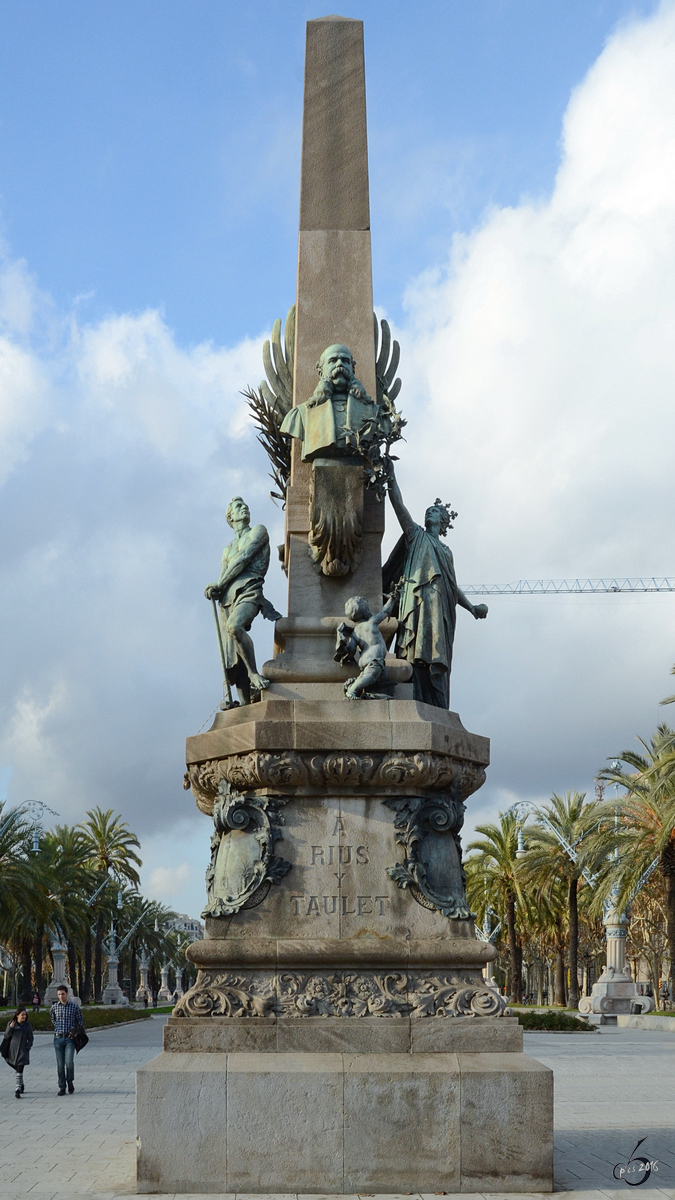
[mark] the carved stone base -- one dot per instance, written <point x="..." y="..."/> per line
<point x="334" y="993"/>
<point x="340" y="1036"/>
<point x="345" y="1123"/>
<point x="367" y="1035"/>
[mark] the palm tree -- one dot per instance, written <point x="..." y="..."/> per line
<point x="111" y="848"/>
<point x="14" y="872"/>
<point x="647" y="931"/>
<point x="646" y="821"/>
<point x="73" y="881"/>
<point x="549" y="866"/>
<point x="148" y="919"/>
<point x="16" y="928"/>
<point x="497" y="864"/>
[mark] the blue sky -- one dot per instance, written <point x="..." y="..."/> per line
<point x="150" y="152"/>
<point x="523" y="213"/>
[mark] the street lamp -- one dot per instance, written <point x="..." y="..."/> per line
<point x="36" y="810"/>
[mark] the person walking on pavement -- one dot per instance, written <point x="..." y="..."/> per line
<point x="16" y="1046"/>
<point x="65" y="1015"/>
<point x="36" y="1002"/>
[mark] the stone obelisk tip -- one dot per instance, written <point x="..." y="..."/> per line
<point x="334" y="181"/>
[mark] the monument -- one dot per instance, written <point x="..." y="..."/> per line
<point x="615" y="991"/>
<point x="340" y="1036"/>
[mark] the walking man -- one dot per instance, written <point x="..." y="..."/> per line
<point x="65" y="1015"/>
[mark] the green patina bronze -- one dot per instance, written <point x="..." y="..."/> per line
<point x="429" y="597"/>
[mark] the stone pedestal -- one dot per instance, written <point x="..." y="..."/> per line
<point x="59" y="950"/>
<point x="164" y="995"/>
<point x="340" y="1036"/>
<point x="615" y="991"/>
<point x="113" y="993"/>
<point x="143" y="991"/>
<point x="424" y="1119"/>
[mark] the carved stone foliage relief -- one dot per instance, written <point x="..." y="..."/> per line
<point x="428" y="828"/>
<point x="339" y="769"/>
<point x="243" y="866"/>
<point x="337" y="994"/>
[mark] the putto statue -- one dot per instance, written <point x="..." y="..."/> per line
<point x="364" y="645"/>
<point x="340" y="414"/>
<point x="239" y="597"/>
<point x="429" y="597"/>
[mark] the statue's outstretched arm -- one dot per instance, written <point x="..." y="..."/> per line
<point x="479" y="611"/>
<point x="404" y="519"/>
<point x="388" y="608"/>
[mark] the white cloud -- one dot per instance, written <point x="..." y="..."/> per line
<point x="121" y="451"/>
<point x="544" y="355"/>
<point x="174" y="863"/>
<point x="23" y="400"/>
<point x="163" y="880"/>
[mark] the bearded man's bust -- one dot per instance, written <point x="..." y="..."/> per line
<point x="338" y="414"/>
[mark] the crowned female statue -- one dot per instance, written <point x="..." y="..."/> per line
<point x="429" y="597"/>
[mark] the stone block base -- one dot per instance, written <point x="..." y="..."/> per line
<point x="216" y="1122"/>
<point x="364" y="1035"/>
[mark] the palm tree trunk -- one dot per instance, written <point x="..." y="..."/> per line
<point x="559" y="993"/>
<point x="573" y="999"/>
<point x="132" y="974"/>
<point x="85" y="994"/>
<point x="511" y="928"/>
<point x="98" y="954"/>
<point x="668" y="870"/>
<point x="519" y="973"/>
<point x="72" y="971"/>
<point x="27" y="985"/>
<point x="39" y="939"/>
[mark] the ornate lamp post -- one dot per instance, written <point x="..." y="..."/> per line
<point x="113" y="993"/>
<point x="164" y="994"/>
<point x="59" y="949"/>
<point x="143" y="992"/>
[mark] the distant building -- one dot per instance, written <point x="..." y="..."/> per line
<point x="190" y="925"/>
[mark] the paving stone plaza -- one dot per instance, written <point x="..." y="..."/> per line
<point x="610" y="1089"/>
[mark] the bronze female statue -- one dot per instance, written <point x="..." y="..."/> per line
<point x="428" y="599"/>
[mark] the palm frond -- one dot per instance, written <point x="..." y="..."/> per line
<point x="268" y="417"/>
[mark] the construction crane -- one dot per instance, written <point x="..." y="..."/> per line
<point x="549" y="587"/>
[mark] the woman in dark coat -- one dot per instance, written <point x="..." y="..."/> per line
<point x="16" y="1046"/>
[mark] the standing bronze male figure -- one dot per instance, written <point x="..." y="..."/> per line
<point x="429" y="597"/>
<point x="239" y="592"/>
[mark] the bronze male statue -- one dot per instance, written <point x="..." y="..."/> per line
<point x="429" y="597"/>
<point x="239" y="592"/>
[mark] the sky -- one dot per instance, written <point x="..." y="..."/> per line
<point x="522" y="163"/>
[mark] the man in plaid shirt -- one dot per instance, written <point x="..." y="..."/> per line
<point x="65" y="1015"/>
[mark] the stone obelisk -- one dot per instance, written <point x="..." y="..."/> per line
<point x="340" y="1037"/>
<point x="334" y="304"/>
